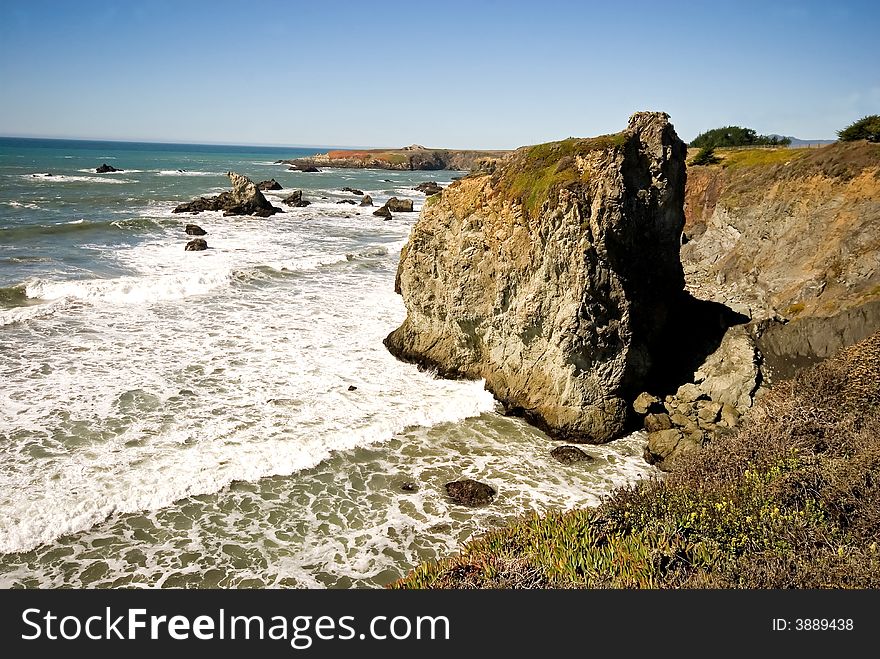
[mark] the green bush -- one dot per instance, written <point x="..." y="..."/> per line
<point x="866" y="128"/>
<point x="736" y="136"/>
<point x="706" y="156"/>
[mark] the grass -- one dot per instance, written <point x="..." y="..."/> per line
<point x="534" y="174"/>
<point x="761" y="157"/>
<point x="790" y="500"/>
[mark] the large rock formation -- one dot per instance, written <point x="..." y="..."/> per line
<point x="245" y="199"/>
<point x="550" y="276"/>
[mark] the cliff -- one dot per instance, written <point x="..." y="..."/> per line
<point x="790" y="237"/>
<point x="413" y="157"/>
<point x="550" y="275"/>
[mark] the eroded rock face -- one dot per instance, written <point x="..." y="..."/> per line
<point x="550" y="276"/>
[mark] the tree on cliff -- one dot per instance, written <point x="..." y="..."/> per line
<point x="706" y="156"/>
<point x="866" y="128"/>
<point x="736" y="136"/>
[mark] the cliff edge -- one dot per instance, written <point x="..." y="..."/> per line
<point x="550" y="274"/>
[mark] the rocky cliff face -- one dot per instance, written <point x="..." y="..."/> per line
<point x="550" y="275"/>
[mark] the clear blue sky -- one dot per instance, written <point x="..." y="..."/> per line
<point x="492" y="74"/>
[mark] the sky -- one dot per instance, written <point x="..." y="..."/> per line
<point x="456" y="74"/>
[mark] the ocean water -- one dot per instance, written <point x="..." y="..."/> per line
<point x="172" y="418"/>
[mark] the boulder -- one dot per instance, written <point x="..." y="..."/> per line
<point x="106" y="169"/>
<point x="367" y="201"/>
<point x="195" y="230"/>
<point x="353" y="191"/>
<point x="729" y="415"/>
<point x="708" y="411"/>
<point x="551" y="278"/>
<point x="396" y="205"/>
<point x="196" y="245"/>
<point x="351" y="387"/>
<point x="570" y="455"/>
<point x="295" y="199"/>
<point x="429" y="188"/>
<point x="467" y="492"/>
<point x="244" y="199"/>
<point x="347" y="201"/>
<point x="383" y="212"/>
<point x="656" y="422"/>
<point x="271" y="184"/>
<point x="645" y="403"/>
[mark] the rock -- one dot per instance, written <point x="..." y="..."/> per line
<point x="645" y="403"/>
<point x="351" y="387"/>
<point x="383" y="212"/>
<point x="367" y="201"/>
<point x="303" y="168"/>
<point x="245" y="199"/>
<point x="429" y="188"/>
<point x="730" y="374"/>
<point x="396" y="205"/>
<point x="271" y="184"/>
<point x="467" y="492"/>
<point x="729" y="415"/>
<point x="353" y="191"/>
<point x="346" y="201"/>
<point x="409" y="486"/>
<point x="690" y="393"/>
<point x="195" y="230"/>
<point x="570" y="455"/>
<point x="708" y="411"/>
<point x="551" y="278"/>
<point x="295" y="199"/>
<point x="680" y="420"/>
<point x="196" y="245"/>
<point x="661" y="445"/>
<point x="656" y="422"/>
<point x="106" y="169"/>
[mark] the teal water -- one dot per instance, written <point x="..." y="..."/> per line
<point x="172" y="418"/>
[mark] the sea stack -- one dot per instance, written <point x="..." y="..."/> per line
<point x="550" y="276"/>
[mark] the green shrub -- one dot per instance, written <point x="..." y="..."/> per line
<point x="736" y="136"/>
<point x="866" y="128"/>
<point x="706" y="156"/>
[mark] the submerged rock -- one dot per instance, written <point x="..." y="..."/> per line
<point x="570" y="455"/>
<point x="409" y="486"/>
<point x="196" y="245"/>
<point x="245" y="199"/>
<point x="271" y="184"/>
<point x="347" y="201"/>
<point x="551" y="277"/>
<point x="106" y="169"/>
<point x="468" y="492"/>
<point x="195" y="230"/>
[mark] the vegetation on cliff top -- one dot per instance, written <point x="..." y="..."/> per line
<point x="534" y="173"/>
<point x="736" y="136"/>
<point x="790" y="500"/>
<point x="705" y="156"/>
<point x="866" y="128"/>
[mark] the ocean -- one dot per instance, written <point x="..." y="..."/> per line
<point x="230" y="418"/>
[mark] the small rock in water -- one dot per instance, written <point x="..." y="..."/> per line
<point x="195" y="230"/>
<point x="353" y="191"/>
<point x="383" y="212"/>
<point x="409" y="486"/>
<point x="271" y="184"/>
<point x="570" y="455"/>
<point x="399" y="205"/>
<point x="351" y="387"/>
<point x="196" y="245"/>
<point x="468" y="492"/>
<point x="105" y="169"/>
<point x="367" y="201"/>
